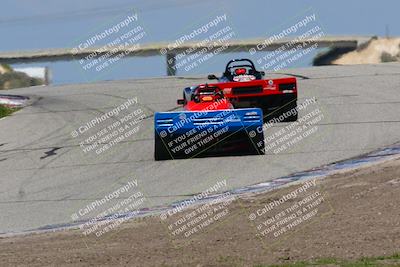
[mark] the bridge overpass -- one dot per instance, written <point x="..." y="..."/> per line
<point x="144" y="50"/>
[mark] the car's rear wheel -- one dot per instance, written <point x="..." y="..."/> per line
<point x="276" y="108"/>
<point x="160" y="150"/>
<point x="288" y="111"/>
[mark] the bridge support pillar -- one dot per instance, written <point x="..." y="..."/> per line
<point x="171" y="68"/>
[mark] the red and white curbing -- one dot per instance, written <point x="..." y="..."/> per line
<point x="13" y="100"/>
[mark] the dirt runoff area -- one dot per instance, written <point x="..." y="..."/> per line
<point x="348" y="216"/>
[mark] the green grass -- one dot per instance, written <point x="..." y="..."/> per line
<point x="5" y="111"/>
<point x="393" y="260"/>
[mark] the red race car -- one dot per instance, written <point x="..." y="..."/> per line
<point x="225" y="118"/>
<point x="244" y="86"/>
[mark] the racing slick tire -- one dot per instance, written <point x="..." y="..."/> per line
<point x="290" y="109"/>
<point x="160" y="150"/>
<point x="280" y="108"/>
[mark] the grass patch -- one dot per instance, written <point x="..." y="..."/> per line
<point x="5" y="111"/>
<point x="392" y="260"/>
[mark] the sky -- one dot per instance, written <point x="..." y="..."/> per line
<point x="40" y="24"/>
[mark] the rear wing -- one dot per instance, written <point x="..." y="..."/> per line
<point x="189" y="134"/>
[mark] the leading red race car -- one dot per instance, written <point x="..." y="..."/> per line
<point x="244" y="86"/>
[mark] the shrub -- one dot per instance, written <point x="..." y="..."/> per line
<point x="15" y="79"/>
<point x="386" y="57"/>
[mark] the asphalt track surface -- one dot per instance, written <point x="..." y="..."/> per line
<point x="45" y="176"/>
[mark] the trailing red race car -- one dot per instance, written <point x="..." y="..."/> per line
<point x="224" y="118"/>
